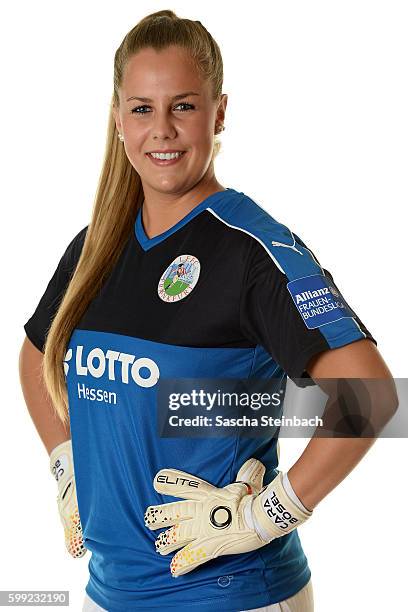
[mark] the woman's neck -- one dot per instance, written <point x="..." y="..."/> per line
<point x="162" y="211"/>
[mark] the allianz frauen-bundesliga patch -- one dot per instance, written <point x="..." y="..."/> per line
<point x="318" y="301"/>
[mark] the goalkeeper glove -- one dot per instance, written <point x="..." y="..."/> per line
<point x="62" y="468"/>
<point x="238" y="518"/>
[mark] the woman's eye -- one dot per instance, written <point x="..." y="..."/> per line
<point x="138" y="109"/>
<point x="185" y="104"/>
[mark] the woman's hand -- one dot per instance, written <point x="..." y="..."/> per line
<point x="213" y="521"/>
<point x="62" y="468"/>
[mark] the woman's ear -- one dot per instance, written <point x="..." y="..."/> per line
<point x="115" y="112"/>
<point x="222" y="105"/>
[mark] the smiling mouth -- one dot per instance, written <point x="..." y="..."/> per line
<point x="166" y="161"/>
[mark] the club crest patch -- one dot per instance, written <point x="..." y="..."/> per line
<point x="318" y="301"/>
<point x="179" y="279"/>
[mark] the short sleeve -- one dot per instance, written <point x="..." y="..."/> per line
<point x="39" y="323"/>
<point x="292" y="307"/>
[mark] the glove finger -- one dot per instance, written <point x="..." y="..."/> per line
<point x="165" y="515"/>
<point x="175" y="537"/>
<point x="207" y="548"/>
<point x="252" y="473"/>
<point x="69" y="515"/>
<point x="181" y="484"/>
<point x="188" y="558"/>
<point x="73" y="537"/>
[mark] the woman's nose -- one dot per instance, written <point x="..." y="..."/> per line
<point x="163" y="126"/>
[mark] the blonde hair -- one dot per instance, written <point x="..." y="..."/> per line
<point x="119" y="192"/>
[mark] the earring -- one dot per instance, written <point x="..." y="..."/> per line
<point x="220" y="128"/>
<point x="121" y="137"/>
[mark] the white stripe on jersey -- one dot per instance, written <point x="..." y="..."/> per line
<point x="241" y="229"/>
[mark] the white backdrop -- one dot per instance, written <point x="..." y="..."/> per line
<point x="316" y="132"/>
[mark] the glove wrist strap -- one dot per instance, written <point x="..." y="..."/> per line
<point x="275" y="512"/>
<point x="61" y="463"/>
<point x="292" y="495"/>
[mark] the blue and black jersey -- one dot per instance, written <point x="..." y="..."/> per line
<point x="227" y="292"/>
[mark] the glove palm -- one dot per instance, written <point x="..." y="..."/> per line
<point x="211" y="522"/>
<point x="62" y="468"/>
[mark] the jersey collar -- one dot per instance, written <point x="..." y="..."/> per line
<point x="147" y="243"/>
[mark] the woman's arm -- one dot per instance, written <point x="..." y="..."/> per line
<point x="325" y="462"/>
<point x="50" y="428"/>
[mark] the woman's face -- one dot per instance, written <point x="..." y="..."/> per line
<point x="165" y="105"/>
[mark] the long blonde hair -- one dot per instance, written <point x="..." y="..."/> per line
<point x="119" y="192"/>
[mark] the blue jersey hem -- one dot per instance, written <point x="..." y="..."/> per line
<point x="224" y="603"/>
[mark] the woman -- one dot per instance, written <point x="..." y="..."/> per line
<point x="179" y="277"/>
